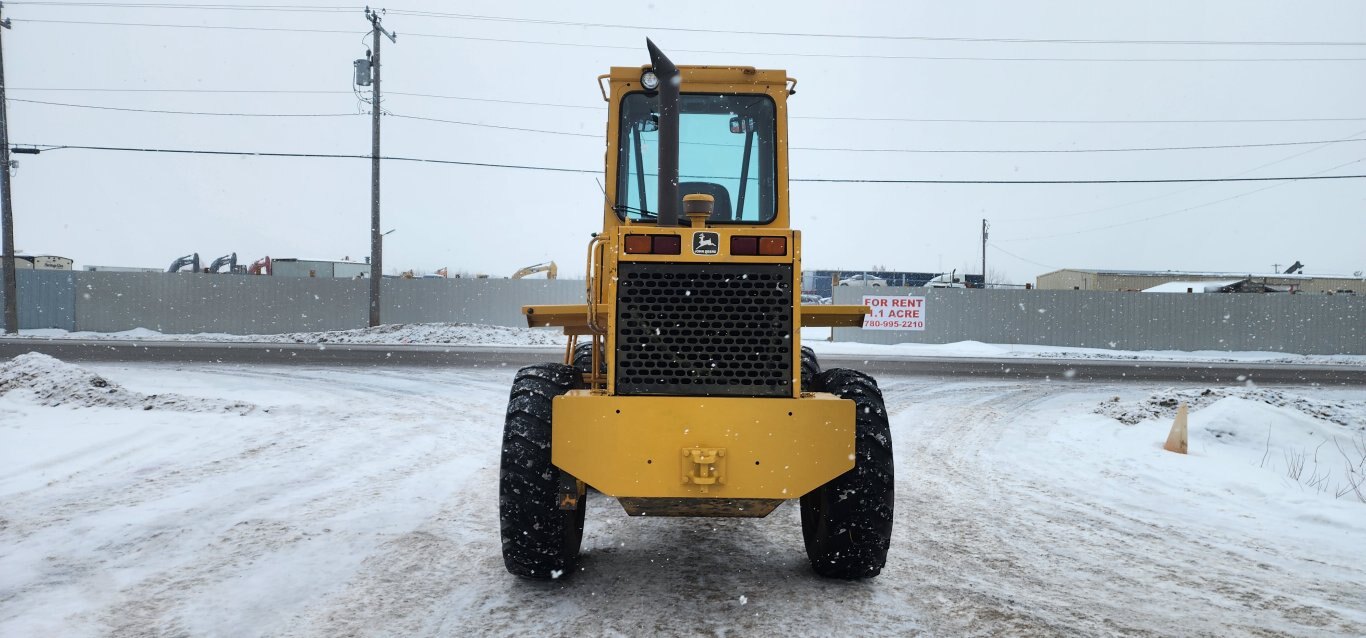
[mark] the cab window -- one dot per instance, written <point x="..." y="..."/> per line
<point x="726" y="149"/>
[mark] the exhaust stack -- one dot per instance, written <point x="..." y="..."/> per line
<point x="669" y="81"/>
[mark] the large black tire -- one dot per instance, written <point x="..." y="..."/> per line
<point x="810" y="368"/>
<point x="847" y="523"/>
<point x="540" y="540"/>
<point x="583" y="358"/>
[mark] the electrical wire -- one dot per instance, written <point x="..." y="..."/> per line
<point x="859" y="56"/>
<point x="1074" y="150"/>
<point x="168" y="112"/>
<point x="603" y="108"/>
<point x="1317" y="176"/>
<point x="1024" y="259"/>
<point x="654" y="28"/>
<point x="1075" y="181"/>
<point x="57" y="147"/>
<point x="1176" y="192"/>
<point x="870" y="56"/>
<point x="295" y="8"/>
<point x="493" y="126"/>
<point x="190" y="26"/>
<point x="795" y="148"/>
<point x="853" y="36"/>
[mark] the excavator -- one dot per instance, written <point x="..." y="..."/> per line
<point x="549" y="268"/>
<point x="226" y="260"/>
<point x="691" y="394"/>
<point x="191" y="260"/>
<point x="259" y="266"/>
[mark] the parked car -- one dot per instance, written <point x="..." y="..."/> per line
<point x="811" y="299"/>
<point x="863" y="280"/>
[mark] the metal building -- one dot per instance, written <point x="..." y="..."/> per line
<point x="1112" y="280"/>
<point x="294" y="267"/>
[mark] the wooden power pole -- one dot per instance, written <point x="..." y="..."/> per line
<point x="11" y="283"/>
<point x="376" y="237"/>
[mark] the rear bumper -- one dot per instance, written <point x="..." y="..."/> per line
<point x="703" y="447"/>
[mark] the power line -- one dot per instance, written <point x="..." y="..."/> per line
<point x="872" y="56"/>
<point x="795" y="117"/>
<point x="494" y="126"/>
<point x="1076" y="181"/>
<point x="852" y="36"/>
<point x="860" y="56"/>
<point x="795" y="148"/>
<point x="193" y="26"/>
<point x="168" y="112"/>
<point x="1031" y="261"/>
<point x="1075" y="150"/>
<point x="296" y="8"/>
<point x="1318" y="175"/>
<point x="985" y="121"/>
<point x="208" y="91"/>
<point x="57" y="147"/>
<point x="632" y="27"/>
<point x="1183" y="190"/>
<point x="52" y="147"/>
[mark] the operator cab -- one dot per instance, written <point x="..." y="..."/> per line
<point x="727" y="149"/>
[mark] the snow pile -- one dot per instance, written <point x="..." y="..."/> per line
<point x="473" y="334"/>
<point x="426" y="333"/>
<point x="1162" y="405"/>
<point x="816" y="338"/>
<point x="52" y="382"/>
<point x="1261" y="444"/>
<point x="1304" y="453"/>
<point x="462" y="334"/>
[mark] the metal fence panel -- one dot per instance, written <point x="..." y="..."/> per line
<point x="234" y="304"/>
<point x="187" y="303"/>
<point x="488" y="301"/>
<point x="46" y="299"/>
<point x="1307" y="324"/>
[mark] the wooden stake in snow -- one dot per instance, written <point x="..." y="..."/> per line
<point x="1176" y="439"/>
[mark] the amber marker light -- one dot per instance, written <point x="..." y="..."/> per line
<point x="773" y="246"/>
<point x="636" y="244"/>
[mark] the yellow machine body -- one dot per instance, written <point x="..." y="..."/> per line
<point x="689" y="454"/>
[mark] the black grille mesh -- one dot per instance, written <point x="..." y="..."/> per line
<point x="704" y="329"/>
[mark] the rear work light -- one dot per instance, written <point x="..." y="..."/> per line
<point x="653" y="244"/>
<point x="768" y="246"/>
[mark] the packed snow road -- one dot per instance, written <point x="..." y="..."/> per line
<point x="301" y="501"/>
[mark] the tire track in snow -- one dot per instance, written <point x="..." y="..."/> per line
<point x="984" y="543"/>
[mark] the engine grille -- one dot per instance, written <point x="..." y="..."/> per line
<point x="704" y="329"/>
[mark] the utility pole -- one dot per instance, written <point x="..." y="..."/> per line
<point x="6" y="210"/>
<point x="985" y="226"/>
<point x="376" y="238"/>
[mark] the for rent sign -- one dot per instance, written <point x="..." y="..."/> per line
<point x="894" y="313"/>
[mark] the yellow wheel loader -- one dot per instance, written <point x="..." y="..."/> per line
<point x="685" y="390"/>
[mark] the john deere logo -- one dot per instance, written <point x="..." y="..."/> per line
<point x="705" y="243"/>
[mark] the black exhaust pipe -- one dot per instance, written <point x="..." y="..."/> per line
<point x="669" y="80"/>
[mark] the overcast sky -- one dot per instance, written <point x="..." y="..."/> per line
<point x="145" y="209"/>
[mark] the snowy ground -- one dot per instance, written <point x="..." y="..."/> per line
<point x="464" y="334"/>
<point x="359" y="502"/>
